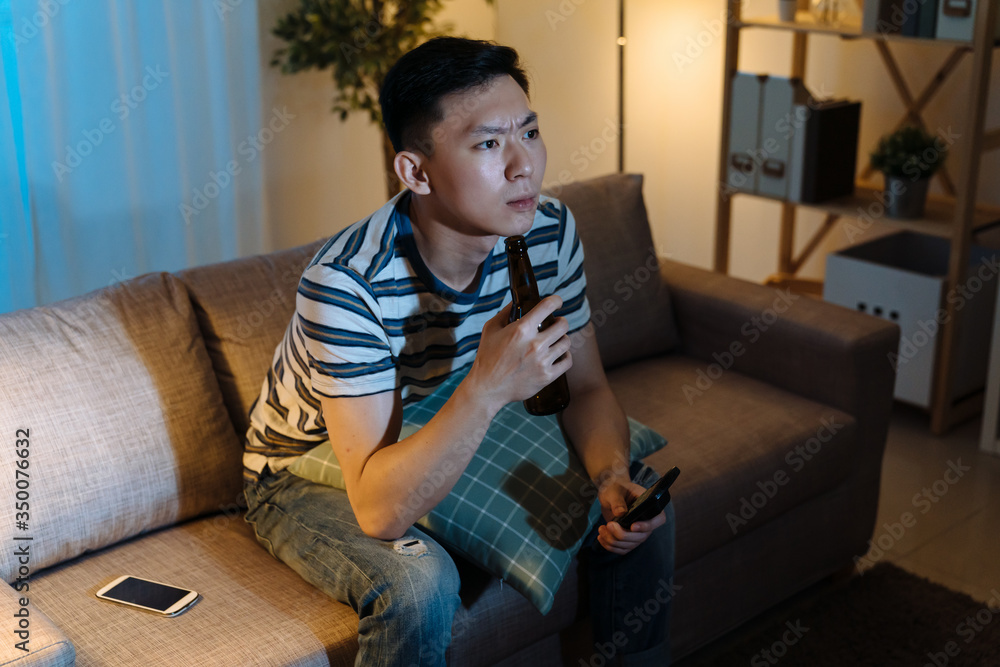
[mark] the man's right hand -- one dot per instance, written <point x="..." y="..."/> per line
<point x="386" y="483"/>
<point x="515" y="360"/>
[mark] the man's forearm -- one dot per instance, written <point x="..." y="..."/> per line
<point x="392" y="491"/>
<point x="598" y="430"/>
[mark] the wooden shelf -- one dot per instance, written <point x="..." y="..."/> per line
<point x="866" y="204"/>
<point x="805" y="22"/>
<point x="957" y="217"/>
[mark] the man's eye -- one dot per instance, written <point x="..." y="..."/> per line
<point x="490" y="143"/>
<point x="531" y="134"/>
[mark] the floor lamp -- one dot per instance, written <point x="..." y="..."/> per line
<point x="621" y="86"/>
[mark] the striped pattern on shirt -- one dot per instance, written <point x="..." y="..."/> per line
<point x="370" y="317"/>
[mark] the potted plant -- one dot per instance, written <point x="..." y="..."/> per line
<point x="907" y="159"/>
<point x="359" y="40"/>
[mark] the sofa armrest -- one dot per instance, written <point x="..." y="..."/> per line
<point x="46" y="645"/>
<point x="806" y="346"/>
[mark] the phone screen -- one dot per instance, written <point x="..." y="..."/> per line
<point x="147" y="593"/>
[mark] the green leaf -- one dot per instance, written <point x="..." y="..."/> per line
<point x="359" y="40"/>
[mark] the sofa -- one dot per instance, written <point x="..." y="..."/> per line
<point x="129" y="404"/>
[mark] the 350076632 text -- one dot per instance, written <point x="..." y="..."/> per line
<point x="22" y="540"/>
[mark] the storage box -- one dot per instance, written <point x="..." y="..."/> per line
<point x="901" y="277"/>
<point x="785" y="144"/>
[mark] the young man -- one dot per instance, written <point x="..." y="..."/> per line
<point x="390" y="308"/>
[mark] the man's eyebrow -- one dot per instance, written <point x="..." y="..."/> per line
<point x="493" y="129"/>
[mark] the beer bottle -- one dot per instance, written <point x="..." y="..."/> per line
<point x="524" y="293"/>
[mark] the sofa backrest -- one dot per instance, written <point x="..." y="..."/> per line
<point x="629" y="302"/>
<point x="110" y="408"/>
<point x="243" y="308"/>
<point x="244" y="305"/>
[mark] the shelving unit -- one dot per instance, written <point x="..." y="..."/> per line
<point x="956" y="216"/>
<point x="989" y="439"/>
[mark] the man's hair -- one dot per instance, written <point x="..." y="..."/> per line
<point x="412" y="91"/>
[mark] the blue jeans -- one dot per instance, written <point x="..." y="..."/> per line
<point x="405" y="591"/>
<point x="631" y="595"/>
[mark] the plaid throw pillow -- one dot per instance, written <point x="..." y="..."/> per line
<point x="523" y="505"/>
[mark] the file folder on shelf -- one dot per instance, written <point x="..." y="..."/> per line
<point x="777" y="127"/>
<point x="785" y="144"/>
<point x="824" y="151"/>
<point x="744" y="132"/>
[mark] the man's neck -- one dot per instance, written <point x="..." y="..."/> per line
<point x="453" y="257"/>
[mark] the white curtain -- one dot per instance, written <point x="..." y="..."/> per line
<point x="130" y="139"/>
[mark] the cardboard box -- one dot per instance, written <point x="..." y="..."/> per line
<point x="901" y="277"/>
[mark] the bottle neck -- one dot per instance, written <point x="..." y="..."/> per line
<point x="523" y="286"/>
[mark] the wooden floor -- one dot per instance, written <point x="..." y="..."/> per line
<point x="952" y="492"/>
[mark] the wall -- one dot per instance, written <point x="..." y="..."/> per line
<point x="322" y="174"/>
<point x="674" y="61"/>
<point x="570" y="51"/>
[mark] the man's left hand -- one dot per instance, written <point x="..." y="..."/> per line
<point x="615" y="496"/>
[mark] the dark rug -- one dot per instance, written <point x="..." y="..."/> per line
<point x="884" y="617"/>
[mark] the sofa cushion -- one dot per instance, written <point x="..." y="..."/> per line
<point x="522" y="506"/>
<point x="125" y="426"/>
<point x="243" y="307"/>
<point x="629" y="303"/>
<point x="748" y="451"/>
<point x="254" y="609"/>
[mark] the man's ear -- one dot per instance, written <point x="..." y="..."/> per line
<point x="409" y="167"/>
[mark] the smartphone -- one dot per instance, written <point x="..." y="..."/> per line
<point x="650" y="503"/>
<point x="148" y="595"/>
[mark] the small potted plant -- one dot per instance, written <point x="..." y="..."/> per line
<point x="907" y="159"/>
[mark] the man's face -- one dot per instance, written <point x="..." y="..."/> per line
<point x="486" y="169"/>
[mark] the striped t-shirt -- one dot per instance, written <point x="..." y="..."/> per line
<point x="370" y="317"/>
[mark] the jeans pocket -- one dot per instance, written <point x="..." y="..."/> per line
<point x="265" y="542"/>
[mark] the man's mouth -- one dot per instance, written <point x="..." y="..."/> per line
<point x="524" y="204"/>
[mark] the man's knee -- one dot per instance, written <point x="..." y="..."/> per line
<point x="420" y="574"/>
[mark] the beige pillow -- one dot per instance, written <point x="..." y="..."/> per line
<point x="123" y="420"/>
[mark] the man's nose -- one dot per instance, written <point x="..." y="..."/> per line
<point x="518" y="161"/>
